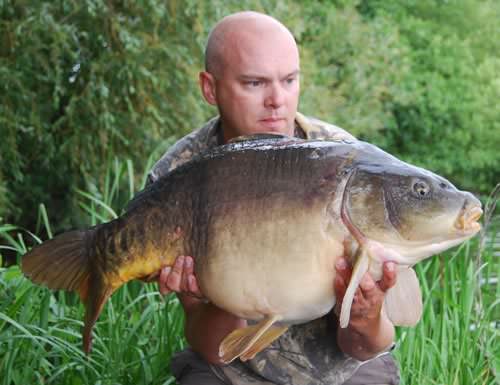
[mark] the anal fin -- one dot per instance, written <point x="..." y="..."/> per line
<point x="403" y="302"/>
<point x="247" y="342"/>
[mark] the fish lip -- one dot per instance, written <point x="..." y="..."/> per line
<point x="467" y="219"/>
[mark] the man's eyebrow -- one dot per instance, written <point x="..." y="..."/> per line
<point x="291" y="74"/>
<point x="252" y="77"/>
<point x="261" y="77"/>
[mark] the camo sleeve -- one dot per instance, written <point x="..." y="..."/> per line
<point x="184" y="149"/>
<point x="317" y="129"/>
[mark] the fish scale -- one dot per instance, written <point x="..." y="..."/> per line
<point x="266" y="218"/>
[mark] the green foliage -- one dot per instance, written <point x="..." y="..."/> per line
<point x="354" y="70"/>
<point x="84" y="81"/>
<point x="40" y="331"/>
<point x="452" y="122"/>
<point x="455" y="341"/>
<point x="40" y="338"/>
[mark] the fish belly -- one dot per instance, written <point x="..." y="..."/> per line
<point x="263" y="261"/>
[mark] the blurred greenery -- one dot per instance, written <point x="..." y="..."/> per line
<point x="82" y="82"/>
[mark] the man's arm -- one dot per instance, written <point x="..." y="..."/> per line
<point x="369" y="331"/>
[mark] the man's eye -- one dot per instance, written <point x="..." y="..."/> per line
<point x="254" y="83"/>
<point x="290" y="80"/>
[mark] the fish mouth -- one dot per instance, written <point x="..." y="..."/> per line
<point x="467" y="220"/>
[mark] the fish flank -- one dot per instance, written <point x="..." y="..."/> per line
<point x="247" y="211"/>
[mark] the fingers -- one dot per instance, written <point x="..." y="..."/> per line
<point x="343" y="271"/>
<point x="162" y="280"/>
<point x="367" y="301"/>
<point x="193" y="286"/>
<point x="187" y="270"/>
<point x="171" y="276"/>
<point x="367" y="287"/>
<point x="179" y="278"/>
<point x="388" y="279"/>
<point x="372" y="290"/>
<point x="175" y="277"/>
<point x="189" y="283"/>
<point x="369" y="295"/>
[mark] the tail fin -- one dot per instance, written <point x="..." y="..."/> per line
<point x="60" y="263"/>
<point x="63" y="263"/>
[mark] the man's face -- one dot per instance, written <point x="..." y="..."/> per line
<point x="257" y="88"/>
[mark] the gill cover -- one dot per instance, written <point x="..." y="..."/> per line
<point x="403" y="302"/>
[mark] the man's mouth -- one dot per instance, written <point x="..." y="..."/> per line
<point x="272" y="119"/>
<point x="273" y="123"/>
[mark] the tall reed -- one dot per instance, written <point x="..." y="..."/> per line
<point x="456" y="342"/>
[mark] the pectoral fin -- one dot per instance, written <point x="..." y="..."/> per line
<point x="360" y="268"/>
<point x="403" y="302"/>
<point x="247" y="342"/>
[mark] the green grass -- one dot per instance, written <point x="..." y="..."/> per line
<point x="40" y="339"/>
<point x="40" y="330"/>
<point x="138" y="331"/>
<point x="457" y="340"/>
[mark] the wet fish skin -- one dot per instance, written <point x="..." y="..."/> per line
<point x="242" y="210"/>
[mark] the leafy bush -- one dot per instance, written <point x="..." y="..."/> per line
<point x="452" y="122"/>
<point x="84" y="81"/>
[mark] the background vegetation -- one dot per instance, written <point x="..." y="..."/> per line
<point x="86" y="82"/>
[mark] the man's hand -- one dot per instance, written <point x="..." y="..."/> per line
<point x="369" y="296"/>
<point x="179" y="278"/>
<point x="200" y="314"/>
<point x="369" y="331"/>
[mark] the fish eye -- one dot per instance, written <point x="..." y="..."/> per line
<point x="443" y="185"/>
<point x="421" y="189"/>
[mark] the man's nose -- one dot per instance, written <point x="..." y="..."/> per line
<point x="276" y="96"/>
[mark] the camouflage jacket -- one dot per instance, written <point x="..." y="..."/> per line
<point x="306" y="354"/>
<point x="210" y="135"/>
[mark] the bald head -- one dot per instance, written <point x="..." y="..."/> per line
<point x="240" y="29"/>
<point x="252" y="75"/>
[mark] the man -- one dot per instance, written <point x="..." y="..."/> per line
<point x="252" y="76"/>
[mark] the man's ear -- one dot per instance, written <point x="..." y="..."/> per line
<point x="207" y="85"/>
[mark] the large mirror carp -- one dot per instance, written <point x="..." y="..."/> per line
<point x="266" y="219"/>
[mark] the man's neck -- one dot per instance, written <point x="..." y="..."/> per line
<point x="224" y="136"/>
